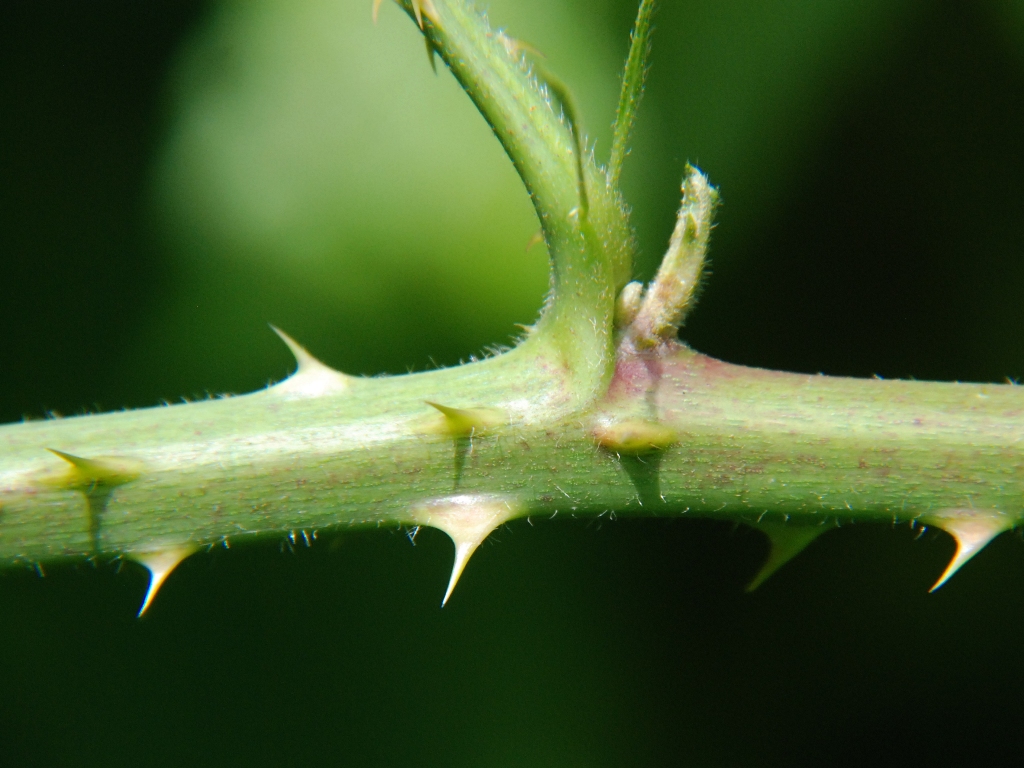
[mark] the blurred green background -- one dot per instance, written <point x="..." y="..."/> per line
<point x="177" y="174"/>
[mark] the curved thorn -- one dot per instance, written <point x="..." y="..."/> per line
<point x="431" y="57"/>
<point x="972" y="530"/>
<point x="463" y="551"/>
<point x="107" y="471"/>
<point x="462" y="425"/>
<point x="420" y="8"/>
<point x="787" y="540"/>
<point x="468" y="519"/>
<point x="160" y="565"/>
<point x="466" y="422"/>
<point x="311" y="378"/>
<point x="535" y="239"/>
<point x="424" y="8"/>
<point x="634" y="437"/>
<point x="96" y="479"/>
<point x="77" y="462"/>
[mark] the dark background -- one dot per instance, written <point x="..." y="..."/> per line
<point x="871" y="169"/>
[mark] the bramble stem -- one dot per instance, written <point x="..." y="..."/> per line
<point x="583" y="417"/>
<point x="749" y="442"/>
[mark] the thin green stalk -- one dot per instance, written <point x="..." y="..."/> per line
<point x="587" y="268"/>
<point x="632" y="89"/>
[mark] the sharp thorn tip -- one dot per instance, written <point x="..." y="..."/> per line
<point x="160" y="565"/>
<point x="972" y="530"/>
<point x="463" y="551"/>
<point x="467" y="519"/>
<point x="311" y="378"/>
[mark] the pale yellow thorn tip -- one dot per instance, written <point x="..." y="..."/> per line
<point x="77" y="462"/>
<point x="787" y="540"/>
<point x="311" y="378"/>
<point x="423" y="8"/>
<point x="463" y="551"/>
<point x="972" y="530"/>
<point x="468" y="519"/>
<point x="160" y="565"/>
<point x="536" y="239"/>
<point x="420" y="8"/>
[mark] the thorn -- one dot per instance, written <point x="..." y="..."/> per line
<point x="462" y="425"/>
<point x="96" y="479"/>
<point x="160" y="564"/>
<point x="468" y="520"/>
<point x="467" y="422"/>
<point x="634" y="436"/>
<point x="644" y="471"/>
<point x="421" y="8"/>
<point x="516" y="47"/>
<point x="311" y="378"/>
<point x="972" y="530"/>
<point x="86" y="474"/>
<point x="787" y="540"/>
<point x="463" y="551"/>
<point x="535" y="239"/>
<point x="430" y="54"/>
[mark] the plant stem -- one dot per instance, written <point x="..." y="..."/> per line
<point x="750" y="441"/>
<point x="581" y="418"/>
<point x="589" y="241"/>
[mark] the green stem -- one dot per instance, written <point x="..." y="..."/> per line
<point x="574" y="420"/>
<point x="587" y="270"/>
<point x="750" y="442"/>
